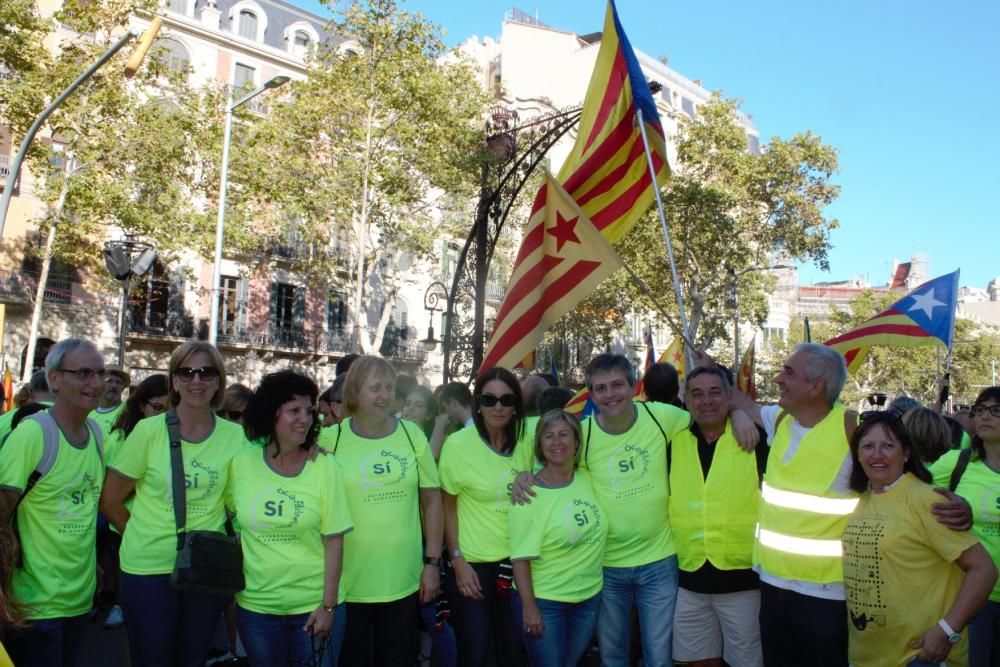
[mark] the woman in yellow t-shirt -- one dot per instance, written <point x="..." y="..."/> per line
<point x="393" y="493"/>
<point x="912" y="584"/>
<point x="293" y="515"/>
<point x="164" y="626"/>
<point x="980" y="486"/>
<point x="557" y="547"/>
<point x="478" y="465"/>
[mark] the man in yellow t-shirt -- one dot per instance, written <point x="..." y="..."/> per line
<point x="38" y="392"/>
<point x="57" y="512"/>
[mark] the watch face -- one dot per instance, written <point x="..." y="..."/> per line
<point x="954" y="639"/>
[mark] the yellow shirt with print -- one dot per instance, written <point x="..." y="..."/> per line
<point x="562" y="532"/>
<point x="899" y="574"/>
<point x="481" y="480"/>
<point x="383" y="555"/>
<point x="57" y="523"/>
<point x="283" y="519"/>
<point x="149" y="545"/>
<point x="629" y="474"/>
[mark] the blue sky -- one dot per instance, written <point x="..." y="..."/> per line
<point x="908" y="91"/>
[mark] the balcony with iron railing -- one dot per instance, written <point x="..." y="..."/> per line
<point x="20" y="287"/>
<point x="5" y="172"/>
<point x="166" y="325"/>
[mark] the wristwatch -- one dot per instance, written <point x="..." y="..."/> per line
<point x="432" y="560"/>
<point x="953" y="637"/>
<point x="456" y="553"/>
<point x="329" y="608"/>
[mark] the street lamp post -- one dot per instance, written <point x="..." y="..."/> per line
<point x="118" y="260"/>
<point x="220" y="220"/>
<point x="734" y="301"/>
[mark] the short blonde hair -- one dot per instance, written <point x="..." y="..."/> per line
<point x="362" y="369"/>
<point x="181" y="354"/>
<point x="547" y="421"/>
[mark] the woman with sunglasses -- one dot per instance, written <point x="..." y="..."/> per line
<point x="979" y="484"/>
<point x="393" y="494"/>
<point x="557" y="547"/>
<point x="146" y="399"/>
<point x="478" y="466"/>
<point x="912" y="584"/>
<point x="234" y="402"/>
<point x="164" y="626"/>
<point x="293" y="516"/>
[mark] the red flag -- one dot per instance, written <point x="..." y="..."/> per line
<point x="745" y="381"/>
<point x="561" y="260"/>
<point x="607" y="172"/>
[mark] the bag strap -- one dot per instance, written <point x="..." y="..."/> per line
<point x="177" y="476"/>
<point x="956" y="475"/>
<point x="649" y="412"/>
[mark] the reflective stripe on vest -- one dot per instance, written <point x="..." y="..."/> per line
<point x="713" y="519"/>
<point x="801" y="520"/>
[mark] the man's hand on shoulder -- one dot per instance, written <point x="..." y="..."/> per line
<point x="955" y="513"/>
<point x="744" y="430"/>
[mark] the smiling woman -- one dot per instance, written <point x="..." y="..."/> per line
<point x="164" y="624"/>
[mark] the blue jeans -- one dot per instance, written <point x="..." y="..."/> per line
<point x="444" y="652"/>
<point x="49" y="642"/>
<point x="984" y="636"/>
<point x="167" y="627"/>
<point x="653" y="590"/>
<point x="272" y="639"/>
<point x="569" y="627"/>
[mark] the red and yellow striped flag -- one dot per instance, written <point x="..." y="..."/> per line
<point x="607" y="172"/>
<point x="561" y="260"/>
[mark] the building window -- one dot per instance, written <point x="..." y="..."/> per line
<point x="243" y="76"/>
<point x="247" y="24"/>
<point x="174" y="54"/>
<point x="336" y="312"/>
<point x="687" y="106"/>
<point x="753" y="143"/>
<point x="230" y="306"/>
<point x="300" y="43"/>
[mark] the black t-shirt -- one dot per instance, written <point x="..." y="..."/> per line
<point x="708" y="579"/>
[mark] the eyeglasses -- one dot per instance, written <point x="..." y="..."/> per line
<point x="231" y="415"/>
<point x="206" y="373"/>
<point x="889" y="415"/>
<point x="86" y="374"/>
<point x="979" y="410"/>
<point x="158" y="407"/>
<point x="489" y="400"/>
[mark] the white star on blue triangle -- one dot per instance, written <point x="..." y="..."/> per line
<point x="932" y="306"/>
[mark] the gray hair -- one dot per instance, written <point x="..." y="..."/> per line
<point x="824" y="363"/>
<point x="54" y="359"/>
<point x="607" y="362"/>
<point x="39" y="383"/>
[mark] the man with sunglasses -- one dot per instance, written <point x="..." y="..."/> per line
<point x="56" y="513"/>
<point x="806" y="499"/>
<point x="111" y="402"/>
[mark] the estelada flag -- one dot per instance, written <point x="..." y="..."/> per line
<point x="581" y="404"/>
<point x="562" y="259"/>
<point x="674" y="355"/>
<point x="745" y="380"/>
<point x="640" y="386"/>
<point x="607" y="172"/>
<point x="925" y="316"/>
<point x="8" y="389"/>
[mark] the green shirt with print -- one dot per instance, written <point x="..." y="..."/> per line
<point x="149" y="545"/>
<point x="383" y="555"/>
<point x="481" y="480"/>
<point x="629" y="474"/>
<point x="283" y="519"/>
<point x="562" y="532"/>
<point x="57" y="523"/>
<point x="107" y="418"/>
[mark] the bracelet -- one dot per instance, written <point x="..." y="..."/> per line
<point x="432" y="560"/>
<point x="329" y="608"/>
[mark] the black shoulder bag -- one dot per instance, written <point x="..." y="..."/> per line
<point x="207" y="561"/>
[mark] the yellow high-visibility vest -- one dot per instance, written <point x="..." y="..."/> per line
<point x="801" y="521"/>
<point x="713" y="518"/>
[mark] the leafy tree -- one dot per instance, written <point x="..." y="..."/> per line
<point x="21" y="30"/>
<point x="732" y="213"/>
<point x="376" y="137"/>
<point x="120" y="155"/>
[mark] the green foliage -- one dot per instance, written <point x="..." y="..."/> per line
<point x="369" y="144"/>
<point x="21" y="30"/>
<point x="732" y="213"/>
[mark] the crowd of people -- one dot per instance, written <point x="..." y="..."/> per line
<point x="378" y="519"/>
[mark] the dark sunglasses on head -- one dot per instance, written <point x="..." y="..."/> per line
<point x="489" y="400"/>
<point x="206" y="373"/>
<point x="978" y="410"/>
<point x="889" y="415"/>
<point x="231" y="415"/>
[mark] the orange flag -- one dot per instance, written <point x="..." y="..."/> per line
<point x="745" y="381"/>
<point x="562" y="259"/>
<point x="8" y="390"/>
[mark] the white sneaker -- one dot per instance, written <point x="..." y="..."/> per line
<point x="115" y="617"/>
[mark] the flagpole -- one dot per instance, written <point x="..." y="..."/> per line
<point x="666" y="232"/>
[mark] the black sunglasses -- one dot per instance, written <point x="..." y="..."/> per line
<point x="206" y="373"/>
<point x="489" y="400"/>
<point x="231" y="415"/>
<point x="889" y="415"/>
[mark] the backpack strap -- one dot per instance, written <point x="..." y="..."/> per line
<point x="960" y="465"/>
<point x="586" y="442"/>
<point x="336" y="441"/>
<point x="95" y="430"/>
<point x="50" y="447"/>
<point x="659" y="428"/>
